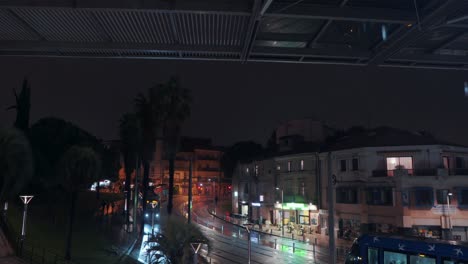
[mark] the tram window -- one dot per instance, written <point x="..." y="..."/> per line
<point x="421" y="259"/>
<point x="394" y="258"/>
<point x="449" y="262"/>
<point x="372" y="256"/>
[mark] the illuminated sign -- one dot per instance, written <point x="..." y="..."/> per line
<point x="235" y="194"/>
<point x="296" y="206"/>
<point x="256" y="204"/>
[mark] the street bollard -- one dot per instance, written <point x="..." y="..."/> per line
<point x="292" y="236"/>
<point x="271" y="230"/>
<point x="315" y="241"/>
<point x="259" y="238"/>
<point x="303" y="238"/>
<point x="275" y="243"/>
<point x="222" y="229"/>
<point x="313" y="249"/>
<point x="294" y="247"/>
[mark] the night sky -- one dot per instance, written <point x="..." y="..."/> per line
<point x="234" y="101"/>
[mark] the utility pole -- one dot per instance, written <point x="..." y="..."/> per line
<point x="189" y="209"/>
<point x="331" y="212"/>
<point x="135" y="200"/>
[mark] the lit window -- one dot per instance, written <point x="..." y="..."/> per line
<point x="289" y="166"/>
<point x="302" y="165"/>
<point x="278" y="167"/>
<point x="256" y="170"/>
<point x="247" y="170"/>
<point x="261" y="198"/>
<point x="394" y="163"/>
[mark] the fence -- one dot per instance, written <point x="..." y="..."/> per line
<point x="295" y="246"/>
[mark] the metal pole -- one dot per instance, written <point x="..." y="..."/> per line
<point x="189" y="209"/>
<point x="449" y="222"/>
<point x="249" y="244"/>
<point x="331" y="212"/>
<point x="135" y="199"/>
<point x="282" y="213"/>
<point x="23" y="227"/>
<point x="152" y="222"/>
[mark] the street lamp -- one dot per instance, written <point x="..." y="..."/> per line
<point x="448" y="215"/>
<point x="249" y="245"/>
<point x="282" y="211"/>
<point x="153" y="205"/>
<point x="26" y="199"/>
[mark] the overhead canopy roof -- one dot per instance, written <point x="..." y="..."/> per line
<point x="390" y="33"/>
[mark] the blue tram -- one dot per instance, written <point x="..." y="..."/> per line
<point x="384" y="249"/>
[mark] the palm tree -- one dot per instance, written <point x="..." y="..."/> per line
<point x="22" y="106"/>
<point x="176" y="104"/>
<point x="174" y="243"/>
<point x="16" y="162"/>
<point x="79" y="167"/>
<point x="149" y="113"/>
<point x="130" y="138"/>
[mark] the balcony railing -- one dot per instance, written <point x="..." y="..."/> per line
<point x="390" y="173"/>
<point x="459" y="171"/>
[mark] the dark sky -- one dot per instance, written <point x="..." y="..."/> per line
<point x="234" y="101"/>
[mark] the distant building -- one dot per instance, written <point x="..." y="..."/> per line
<point x="389" y="180"/>
<point x="385" y="180"/>
<point x="206" y="168"/>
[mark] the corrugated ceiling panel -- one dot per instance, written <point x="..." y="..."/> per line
<point x="136" y="26"/>
<point x="61" y="24"/>
<point x="211" y="28"/>
<point x="12" y="29"/>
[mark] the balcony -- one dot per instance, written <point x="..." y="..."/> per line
<point x="391" y="173"/>
<point x="459" y="171"/>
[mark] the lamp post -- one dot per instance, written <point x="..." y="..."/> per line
<point x="153" y="205"/>
<point x="249" y="245"/>
<point x="26" y="199"/>
<point x="448" y="215"/>
<point x="282" y="211"/>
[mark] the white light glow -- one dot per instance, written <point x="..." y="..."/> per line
<point x="235" y="194"/>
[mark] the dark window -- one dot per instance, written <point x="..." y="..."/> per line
<point x="355" y="164"/>
<point x="422" y="197"/>
<point x="289" y="166"/>
<point x="380" y="196"/>
<point x="458" y="162"/>
<point x="442" y="196"/>
<point x="342" y="165"/>
<point x="347" y="195"/>
<point x="463" y="198"/>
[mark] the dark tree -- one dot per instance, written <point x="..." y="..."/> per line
<point x="130" y="144"/>
<point x="22" y="106"/>
<point x="78" y="167"/>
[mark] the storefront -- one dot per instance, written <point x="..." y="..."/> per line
<point x="296" y="213"/>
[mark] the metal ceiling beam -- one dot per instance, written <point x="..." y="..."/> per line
<point x="323" y="28"/>
<point x="309" y="53"/>
<point x="258" y="12"/>
<point x="426" y="67"/>
<point x="404" y="36"/>
<point x="429" y="58"/>
<point x="362" y="14"/>
<point x="449" y="42"/>
<point x="8" y="45"/>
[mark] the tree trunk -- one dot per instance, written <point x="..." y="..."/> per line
<point x="70" y="225"/>
<point x="171" y="184"/>
<point x="145" y="193"/>
<point x="127" y="196"/>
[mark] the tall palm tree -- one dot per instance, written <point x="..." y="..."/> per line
<point x="176" y="104"/>
<point x="130" y="138"/>
<point x="16" y="162"/>
<point x="79" y="167"/>
<point x="150" y="116"/>
<point x="22" y="106"/>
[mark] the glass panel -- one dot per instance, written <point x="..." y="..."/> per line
<point x="372" y="256"/>
<point x="392" y="163"/>
<point x="355" y="164"/>
<point x="422" y="260"/>
<point x="394" y="258"/>
<point x="449" y="262"/>
<point x="406" y="162"/>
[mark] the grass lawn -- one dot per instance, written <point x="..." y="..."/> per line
<point x="47" y="226"/>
